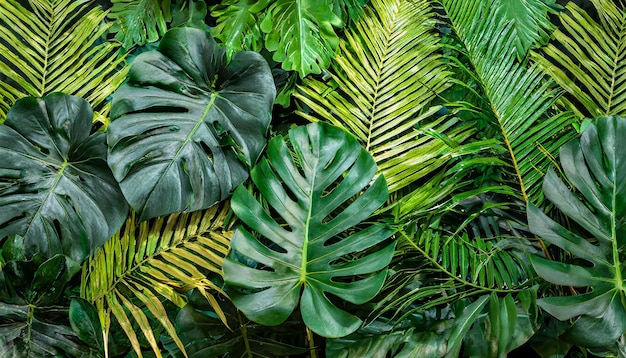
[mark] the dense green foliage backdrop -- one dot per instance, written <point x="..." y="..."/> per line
<point x="312" y="178"/>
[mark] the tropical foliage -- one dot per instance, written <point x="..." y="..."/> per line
<point x="339" y="178"/>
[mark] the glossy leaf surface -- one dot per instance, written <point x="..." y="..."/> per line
<point x="188" y="124"/>
<point x="56" y="191"/>
<point x="595" y="165"/>
<point x="146" y="264"/>
<point x="33" y="321"/>
<point x="306" y="242"/>
<point x="301" y="34"/>
<point x="56" y="46"/>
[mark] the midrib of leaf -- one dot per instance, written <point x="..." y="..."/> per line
<point x="29" y="324"/>
<point x="472" y="55"/>
<point x="50" y="191"/>
<point x="129" y="272"/>
<point x="193" y="131"/>
<point x="617" y="265"/>
<point x="305" y="246"/>
<point x="619" y="50"/>
<point x="300" y="29"/>
<point x="509" y="148"/>
<point x="435" y="262"/>
<point x="380" y="65"/>
<point x="240" y="20"/>
<point x="46" y="54"/>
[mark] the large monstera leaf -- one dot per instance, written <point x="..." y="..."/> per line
<point x="188" y="124"/>
<point x="595" y="165"/>
<point x="57" y="193"/>
<point x="304" y="245"/>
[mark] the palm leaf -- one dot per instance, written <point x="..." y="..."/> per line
<point x="588" y="59"/>
<point x="384" y="80"/>
<point x="56" y="47"/>
<point x="518" y="98"/>
<point x="158" y="259"/>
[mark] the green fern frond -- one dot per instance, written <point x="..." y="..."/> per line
<point x="154" y="260"/>
<point x="384" y="79"/>
<point x="519" y="98"/>
<point x="57" y="47"/>
<point x="588" y="59"/>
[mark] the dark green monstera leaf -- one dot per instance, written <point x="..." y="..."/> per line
<point x="57" y="193"/>
<point x="187" y="125"/>
<point x="596" y="165"/>
<point x="304" y="246"/>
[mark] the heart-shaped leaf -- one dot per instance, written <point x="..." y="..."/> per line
<point x="596" y="165"/>
<point x="309" y="247"/>
<point x="187" y="124"/>
<point x="56" y="190"/>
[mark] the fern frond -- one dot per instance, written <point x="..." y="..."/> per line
<point x="384" y="79"/>
<point x="57" y="47"/>
<point x="588" y="59"/>
<point x="519" y="98"/>
<point x="158" y="259"/>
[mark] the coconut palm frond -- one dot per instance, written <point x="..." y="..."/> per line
<point x="519" y="98"/>
<point x="57" y="47"/>
<point x="384" y="80"/>
<point x="157" y="260"/>
<point x="588" y="59"/>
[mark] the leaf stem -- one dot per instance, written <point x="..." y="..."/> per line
<point x="311" y="342"/>
<point x="244" y="334"/>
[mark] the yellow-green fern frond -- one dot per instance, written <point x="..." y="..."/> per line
<point x="57" y="47"/>
<point x="518" y="98"/>
<point x="384" y="79"/>
<point x="588" y="59"/>
<point x="157" y="260"/>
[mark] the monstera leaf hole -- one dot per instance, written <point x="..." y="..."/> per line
<point x="188" y="124"/>
<point x="595" y="167"/>
<point x="305" y="242"/>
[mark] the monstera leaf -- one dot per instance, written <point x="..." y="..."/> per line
<point x="305" y="243"/>
<point x="595" y="165"/>
<point x="301" y="34"/>
<point x="187" y="124"/>
<point x="57" y="194"/>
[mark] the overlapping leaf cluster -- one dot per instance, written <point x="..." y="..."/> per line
<point x="401" y="223"/>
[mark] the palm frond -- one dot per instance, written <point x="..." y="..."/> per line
<point x="588" y="59"/>
<point x="478" y="247"/>
<point x="57" y="47"/>
<point x="384" y="79"/>
<point x="159" y="259"/>
<point x="519" y="99"/>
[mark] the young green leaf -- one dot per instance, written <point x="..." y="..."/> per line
<point x="301" y="34"/>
